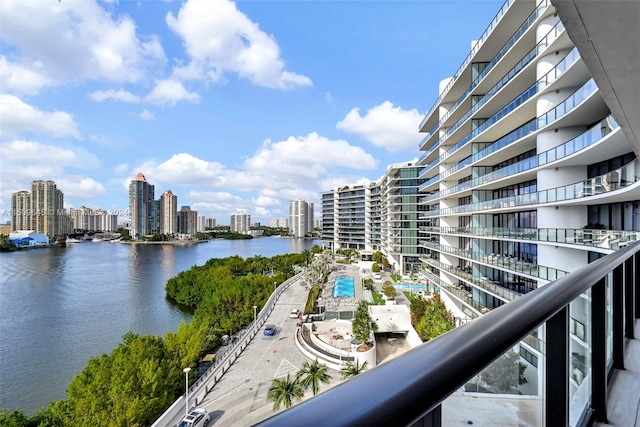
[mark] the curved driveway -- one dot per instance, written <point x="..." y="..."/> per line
<point x="239" y="398"/>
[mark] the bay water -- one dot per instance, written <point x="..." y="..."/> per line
<point x="61" y="306"/>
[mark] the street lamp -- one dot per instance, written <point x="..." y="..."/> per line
<point x="274" y="287"/>
<point x="186" y="387"/>
<point x="254" y="314"/>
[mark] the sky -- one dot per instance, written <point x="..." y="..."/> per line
<point x="233" y="106"/>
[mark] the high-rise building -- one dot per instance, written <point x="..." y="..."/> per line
<point x="21" y="211"/>
<point x="240" y="223"/>
<point x="300" y="218"/>
<point x="201" y="223"/>
<point x="143" y="209"/>
<point x="187" y="220"/>
<point x="87" y="219"/>
<point x="279" y="223"/>
<point x="528" y="174"/>
<point x="211" y="223"/>
<point x="47" y="204"/>
<point x="383" y="215"/>
<point x="168" y="213"/>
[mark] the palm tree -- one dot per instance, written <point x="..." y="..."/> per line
<point x="312" y="374"/>
<point x="351" y="369"/>
<point x="284" y="391"/>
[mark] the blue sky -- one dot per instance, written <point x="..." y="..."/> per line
<point x="234" y="107"/>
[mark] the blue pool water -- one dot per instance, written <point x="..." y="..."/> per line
<point x="344" y="287"/>
<point x="413" y="287"/>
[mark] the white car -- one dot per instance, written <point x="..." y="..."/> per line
<point x="295" y="314"/>
<point x="196" y="418"/>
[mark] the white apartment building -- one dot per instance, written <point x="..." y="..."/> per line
<point x="528" y="175"/>
<point x="241" y="223"/>
<point x="378" y="216"/>
<point x="168" y="213"/>
<point x="300" y="218"/>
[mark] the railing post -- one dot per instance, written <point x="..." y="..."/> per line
<point x="432" y="419"/>
<point x="599" y="351"/>
<point x="629" y="299"/>
<point x="636" y="282"/>
<point x="618" y="317"/>
<point x="557" y="369"/>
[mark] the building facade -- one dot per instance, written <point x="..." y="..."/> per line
<point x="187" y="220"/>
<point x="528" y="175"/>
<point x="300" y="218"/>
<point x="241" y="223"/>
<point x="384" y="215"/>
<point x="88" y="219"/>
<point x="168" y="213"/>
<point x="143" y="208"/>
<point x="41" y="210"/>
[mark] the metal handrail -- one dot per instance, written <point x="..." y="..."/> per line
<point x="408" y="388"/>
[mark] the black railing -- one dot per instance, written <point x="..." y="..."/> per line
<point x="409" y="390"/>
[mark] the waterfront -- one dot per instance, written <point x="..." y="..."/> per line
<point x="61" y="306"/>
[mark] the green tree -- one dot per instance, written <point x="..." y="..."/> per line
<point x="436" y="319"/>
<point x="505" y="373"/>
<point x="6" y="244"/>
<point x="312" y="375"/>
<point x="377" y="257"/>
<point x="351" y="369"/>
<point x="389" y="290"/>
<point x="362" y="324"/>
<point x="375" y="267"/>
<point x="284" y="391"/>
<point x="13" y="419"/>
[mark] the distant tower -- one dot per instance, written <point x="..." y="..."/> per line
<point x="187" y="220"/>
<point x="241" y="223"/>
<point x="21" y="211"/>
<point x="168" y="213"/>
<point x="47" y="208"/>
<point x="143" y="210"/>
<point x="300" y="218"/>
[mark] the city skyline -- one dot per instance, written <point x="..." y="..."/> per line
<point x="270" y="116"/>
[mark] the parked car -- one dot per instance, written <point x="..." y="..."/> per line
<point x="205" y="363"/>
<point x="269" y="330"/>
<point x="295" y="314"/>
<point x="196" y="418"/>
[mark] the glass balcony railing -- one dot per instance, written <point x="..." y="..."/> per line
<point x="474" y="50"/>
<point x="482" y="282"/>
<point x="506" y="262"/>
<point x="508" y="139"/>
<point x="542" y="5"/>
<point x="590" y="137"/>
<point x="528" y="58"/>
<point x="606" y="239"/>
<point x="612" y="181"/>
<point x="588" y="89"/>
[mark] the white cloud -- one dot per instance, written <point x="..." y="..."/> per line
<point x="169" y="92"/>
<point x="21" y="79"/>
<point x="220" y="39"/>
<point x="182" y="169"/>
<point x="117" y="95"/>
<point x="385" y="126"/>
<point x="80" y="187"/>
<point x="17" y="117"/>
<point x="146" y="115"/>
<point x="73" y="41"/>
<point x="35" y="152"/>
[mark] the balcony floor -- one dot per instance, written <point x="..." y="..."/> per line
<point x="623" y="408"/>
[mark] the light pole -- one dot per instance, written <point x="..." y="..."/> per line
<point x="254" y="314"/>
<point x="274" y="287"/>
<point x="186" y="387"/>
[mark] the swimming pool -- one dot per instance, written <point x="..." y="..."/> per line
<point x="344" y="287"/>
<point x="413" y="287"/>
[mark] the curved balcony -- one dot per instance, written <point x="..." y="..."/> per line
<point x="474" y="50"/>
<point x="510" y="264"/>
<point x="580" y="142"/>
<point x="617" y="179"/>
<point x="604" y="239"/>
<point x="485" y="284"/>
